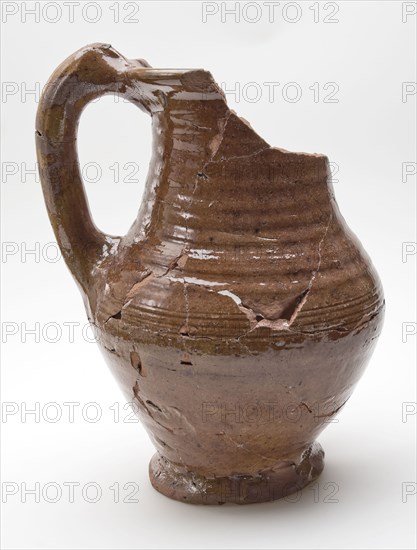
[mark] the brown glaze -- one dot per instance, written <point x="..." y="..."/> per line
<point x="239" y="311"/>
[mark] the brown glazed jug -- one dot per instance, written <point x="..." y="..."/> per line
<point x="239" y="311"/>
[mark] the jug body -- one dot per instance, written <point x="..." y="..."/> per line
<point x="239" y="311"/>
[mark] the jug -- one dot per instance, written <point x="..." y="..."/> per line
<point x="239" y="311"/>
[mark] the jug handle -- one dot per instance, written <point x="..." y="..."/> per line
<point x="91" y="72"/>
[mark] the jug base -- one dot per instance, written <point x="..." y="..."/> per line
<point x="284" y="479"/>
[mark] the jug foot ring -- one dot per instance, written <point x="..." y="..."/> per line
<point x="284" y="479"/>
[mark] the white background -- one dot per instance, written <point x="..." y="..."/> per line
<point x="362" y="499"/>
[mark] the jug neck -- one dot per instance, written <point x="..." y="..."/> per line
<point x="212" y="177"/>
<point x="186" y="136"/>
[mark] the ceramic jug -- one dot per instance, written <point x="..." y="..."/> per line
<point x="239" y="311"/>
